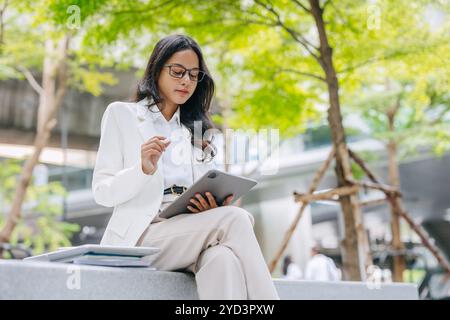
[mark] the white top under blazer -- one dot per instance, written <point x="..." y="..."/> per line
<point x="176" y="170"/>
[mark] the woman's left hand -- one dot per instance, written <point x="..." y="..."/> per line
<point x="199" y="203"/>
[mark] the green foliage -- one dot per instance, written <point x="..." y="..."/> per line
<point x="261" y="67"/>
<point x="278" y="105"/>
<point x="89" y="80"/>
<point x="263" y="72"/>
<point x="29" y="24"/>
<point x="40" y="226"/>
<point x="410" y="75"/>
<point x="422" y="117"/>
<point x="246" y="57"/>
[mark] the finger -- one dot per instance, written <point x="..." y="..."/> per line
<point x="158" y="142"/>
<point x="202" y="201"/>
<point x="152" y="153"/>
<point x="163" y="146"/>
<point x="164" y="141"/>
<point x="153" y="150"/>
<point x="156" y="138"/>
<point x="150" y="145"/>
<point x="212" y="201"/>
<point x="228" y="200"/>
<point x="154" y="146"/>
<point x="153" y="139"/>
<point x="192" y="209"/>
<point x="158" y="148"/>
<point x="196" y="203"/>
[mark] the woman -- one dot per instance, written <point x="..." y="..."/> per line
<point x="149" y="154"/>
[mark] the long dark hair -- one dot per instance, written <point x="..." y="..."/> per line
<point x="197" y="106"/>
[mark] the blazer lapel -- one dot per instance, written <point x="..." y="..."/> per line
<point x="145" y="121"/>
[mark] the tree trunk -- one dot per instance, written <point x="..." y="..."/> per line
<point x="355" y="247"/>
<point x="394" y="180"/>
<point x="54" y="84"/>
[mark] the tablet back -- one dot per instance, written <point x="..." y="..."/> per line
<point x="220" y="184"/>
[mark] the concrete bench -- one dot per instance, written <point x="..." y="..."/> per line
<point x="43" y="280"/>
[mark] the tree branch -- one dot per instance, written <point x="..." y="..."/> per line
<point x="31" y="80"/>
<point x="306" y="74"/>
<point x="426" y="241"/>
<point x="360" y="162"/>
<point x="300" y="39"/>
<point x="297" y="2"/>
<point x="294" y="34"/>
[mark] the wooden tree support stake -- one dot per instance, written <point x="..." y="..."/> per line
<point x="333" y="194"/>
<point x="426" y="241"/>
<point x="317" y="178"/>
<point x="393" y="198"/>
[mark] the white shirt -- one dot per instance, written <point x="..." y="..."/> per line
<point x="293" y="272"/>
<point x="321" y="268"/>
<point x="177" y="170"/>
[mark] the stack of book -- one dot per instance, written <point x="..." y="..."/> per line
<point x="98" y="255"/>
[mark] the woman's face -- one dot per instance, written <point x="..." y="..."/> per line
<point x="178" y="90"/>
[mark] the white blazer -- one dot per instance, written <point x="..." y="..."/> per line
<point x="118" y="180"/>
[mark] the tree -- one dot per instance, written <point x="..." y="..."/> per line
<point x="40" y="229"/>
<point x="406" y="104"/>
<point x="30" y="43"/>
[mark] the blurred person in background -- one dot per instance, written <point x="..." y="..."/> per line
<point x="321" y="268"/>
<point x="291" y="271"/>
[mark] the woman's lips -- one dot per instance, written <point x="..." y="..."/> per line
<point x="182" y="92"/>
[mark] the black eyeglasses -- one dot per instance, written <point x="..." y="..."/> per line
<point x="178" y="71"/>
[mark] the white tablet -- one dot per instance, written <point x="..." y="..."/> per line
<point x="220" y="184"/>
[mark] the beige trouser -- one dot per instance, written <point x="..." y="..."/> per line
<point x="219" y="247"/>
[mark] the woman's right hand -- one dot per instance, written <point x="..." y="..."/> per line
<point x="151" y="151"/>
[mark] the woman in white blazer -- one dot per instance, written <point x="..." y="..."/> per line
<point x="150" y="151"/>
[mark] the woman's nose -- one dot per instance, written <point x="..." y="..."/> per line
<point x="185" y="78"/>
